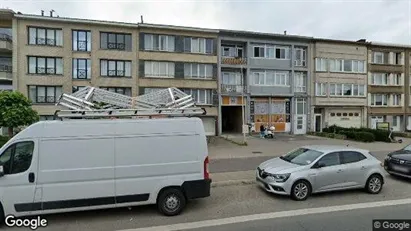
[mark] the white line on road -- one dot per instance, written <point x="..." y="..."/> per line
<point x="265" y="216"/>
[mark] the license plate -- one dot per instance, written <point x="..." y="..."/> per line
<point x="400" y="169"/>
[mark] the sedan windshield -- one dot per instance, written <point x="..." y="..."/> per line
<point x="407" y="148"/>
<point x="301" y="156"/>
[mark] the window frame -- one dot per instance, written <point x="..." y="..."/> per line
<point x="342" y="159"/>
<point x="267" y="47"/>
<point x="116" y="47"/>
<point x="116" y="70"/>
<point x="116" y="90"/>
<point x="46" y="29"/>
<point x="321" y="64"/>
<point x="75" y="43"/>
<point x="328" y="154"/>
<point x="320" y="88"/>
<point x="153" y="63"/>
<point x="300" y="60"/>
<point x="153" y="48"/>
<point x="207" y="92"/>
<point x="375" y="54"/>
<point x="297" y="85"/>
<point x="277" y="76"/>
<point x="88" y="64"/>
<point x="45" y="93"/>
<point x="384" y="76"/>
<point x="361" y="89"/>
<point x="199" y="67"/>
<point x="342" y="62"/>
<point x="384" y="103"/>
<point x="46" y="58"/>
<point x="396" y="99"/>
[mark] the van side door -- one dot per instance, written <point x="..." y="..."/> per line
<point x="18" y="184"/>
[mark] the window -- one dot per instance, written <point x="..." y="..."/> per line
<point x="271" y="52"/>
<point x="17" y="158"/>
<point x="347" y="65"/>
<point x="397" y="80"/>
<point x="320" y="89"/>
<point x="154" y="42"/>
<point x="300" y="106"/>
<point x="232" y="51"/>
<point x="378" y="57"/>
<point x="271" y="78"/>
<point x="200" y="96"/>
<point x="320" y="64"/>
<point x="81" y="69"/>
<point x="379" y="99"/>
<point x="45" y="36"/>
<point x="198" y="71"/>
<point x="379" y="78"/>
<point x="159" y="69"/>
<point x="396" y="99"/>
<point x="115" y="41"/>
<point x="282" y="53"/>
<point x="397" y="58"/>
<point x="347" y="89"/>
<point x="120" y="90"/>
<point x="300" y="56"/>
<point x="259" y="52"/>
<point x="231" y="78"/>
<point x="300" y="81"/>
<point x="76" y="88"/>
<point x="351" y="157"/>
<point x="149" y="90"/>
<point x="115" y="68"/>
<point x="81" y="40"/>
<point x="45" y="65"/>
<point x="301" y="156"/>
<point x="331" y="159"/>
<point x="44" y="94"/>
<point x="198" y="45"/>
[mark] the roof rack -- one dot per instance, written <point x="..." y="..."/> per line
<point x="79" y="114"/>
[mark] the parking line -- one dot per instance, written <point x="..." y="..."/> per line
<point x="273" y="215"/>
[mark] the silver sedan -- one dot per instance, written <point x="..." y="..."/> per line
<point x="321" y="168"/>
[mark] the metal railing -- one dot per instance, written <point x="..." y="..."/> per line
<point x="228" y="88"/>
<point x="5" y="37"/>
<point x="233" y="60"/>
<point x="6" y="68"/>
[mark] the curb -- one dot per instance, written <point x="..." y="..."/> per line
<point x="235" y="142"/>
<point x="231" y="183"/>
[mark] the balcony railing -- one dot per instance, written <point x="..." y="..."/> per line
<point x="116" y="46"/>
<point x="5" y="37"/>
<point x="233" y="61"/>
<point x="227" y="88"/>
<point x="6" y="68"/>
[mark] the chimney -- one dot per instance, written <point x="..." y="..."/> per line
<point x="42" y="13"/>
<point x="285" y="32"/>
<point x="142" y="21"/>
<point x="362" y="40"/>
<point x="51" y="13"/>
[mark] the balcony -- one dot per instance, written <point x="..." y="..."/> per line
<point x="232" y="89"/>
<point x="233" y="61"/>
<point x="6" y="72"/>
<point x="5" y="43"/>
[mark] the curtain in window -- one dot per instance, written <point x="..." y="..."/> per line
<point x="103" y="68"/>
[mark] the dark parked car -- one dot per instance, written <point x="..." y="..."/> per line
<point x="399" y="162"/>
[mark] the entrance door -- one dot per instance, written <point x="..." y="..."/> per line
<point x="318" y="123"/>
<point x="300" y="125"/>
<point x="375" y="120"/>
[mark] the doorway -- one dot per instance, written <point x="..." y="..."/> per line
<point x="318" y="123"/>
<point x="231" y="117"/>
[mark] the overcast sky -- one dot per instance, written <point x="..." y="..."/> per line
<point x="375" y="20"/>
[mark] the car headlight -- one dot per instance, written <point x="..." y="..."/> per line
<point x="281" y="177"/>
<point x="388" y="157"/>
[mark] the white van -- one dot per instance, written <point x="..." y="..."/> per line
<point x="61" y="166"/>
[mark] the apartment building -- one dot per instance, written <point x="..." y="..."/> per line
<point x="339" y="83"/>
<point x="181" y="57"/>
<point x="388" y="86"/>
<point x="54" y="55"/>
<point x="6" y="49"/>
<point x="267" y="76"/>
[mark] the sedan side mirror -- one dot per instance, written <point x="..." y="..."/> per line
<point x="1" y="171"/>
<point x="318" y="165"/>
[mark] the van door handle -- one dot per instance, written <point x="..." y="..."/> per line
<point x="31" y="177"/>
<point x="363" y="167"/>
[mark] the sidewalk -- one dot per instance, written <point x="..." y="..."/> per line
<point x="232" y="178"/>
<point x="223" y="149"/>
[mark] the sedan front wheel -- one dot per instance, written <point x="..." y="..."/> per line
<point x="374" y="184"/>
<point x="300" y="190"/>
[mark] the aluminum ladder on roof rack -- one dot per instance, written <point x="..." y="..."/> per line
<point x="82" y="114"/>
<point x="91" y="98"/>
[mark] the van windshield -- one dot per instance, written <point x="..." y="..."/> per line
<point x="301" y="156"/>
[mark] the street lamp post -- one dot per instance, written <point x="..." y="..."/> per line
<point x="244" y="127"/>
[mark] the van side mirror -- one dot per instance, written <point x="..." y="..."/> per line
<point x="1" y="170"/>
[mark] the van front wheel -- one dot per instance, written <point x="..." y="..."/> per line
<point x="171" y="202"/>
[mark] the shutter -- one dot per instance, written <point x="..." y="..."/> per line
<point x="402" y="100"/>
<point x="386" y="56"/>
<point x="179" y="70"/>
<point x="370" y="82"/>
<point x="391" y="58"/>
<point x="402" y="79"/>
<point x="179" y="43"/>
<point x="215" y="41"/>
<point x="141" y="41"/>
<point x="141" y="70"/>
<point x="402" y="58"/>
<point x="215" y="97"/>
<point x="141" y="90"/>
<point x="215" y="71"/>
<point x="369" y="99"/>
<point x="390" y="80"/>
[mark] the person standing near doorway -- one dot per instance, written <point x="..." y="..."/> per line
<point x="262" y="130"/>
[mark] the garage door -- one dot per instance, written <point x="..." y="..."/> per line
<point x="345" y="118"/>
<point x="209" y="125"/>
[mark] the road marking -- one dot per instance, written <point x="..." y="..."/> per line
<point x="265" y="216"/>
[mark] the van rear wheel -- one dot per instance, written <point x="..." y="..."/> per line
<point x="171" y="202"/>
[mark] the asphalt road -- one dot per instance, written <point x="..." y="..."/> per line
<point x="354" y="220"/>
<point x="225" y="202"/>
<point x="246" y="164"/>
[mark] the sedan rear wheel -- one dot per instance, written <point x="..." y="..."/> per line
<point x="300" y="190"/>
<point x="374" y="184"/>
